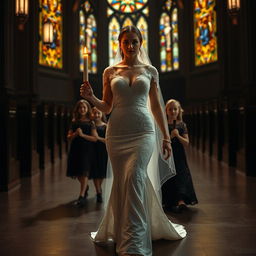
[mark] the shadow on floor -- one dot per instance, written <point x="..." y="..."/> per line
<point x="185" y="217"/>
<point x="68" y="210"/>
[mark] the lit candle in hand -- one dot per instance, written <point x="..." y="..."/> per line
<point x="85" y="74"/>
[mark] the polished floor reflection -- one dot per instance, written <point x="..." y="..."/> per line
<point x="38" y="219"/>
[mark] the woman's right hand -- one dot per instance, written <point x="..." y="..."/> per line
<point x="86" y="91"/>
<point x="174" y="133"/>
<point x="79" y="132"/>
<point x="71" y="134"/>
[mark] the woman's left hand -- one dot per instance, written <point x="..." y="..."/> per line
<point x="167" y="149"/>
<point x="175" y="133"/>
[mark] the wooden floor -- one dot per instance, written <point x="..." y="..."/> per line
<point x="38" y="219"/>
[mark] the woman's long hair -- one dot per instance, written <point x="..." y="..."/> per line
<point x="76" y="115"/>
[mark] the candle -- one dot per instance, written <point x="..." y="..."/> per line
<point x="174" y="124"/>
<point x="85" y="74"/>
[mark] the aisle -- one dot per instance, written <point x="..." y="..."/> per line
<point x="38" y="219"/>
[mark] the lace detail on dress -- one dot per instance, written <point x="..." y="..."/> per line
<point x="154" y="74"/>
<point x="115" y="71"/>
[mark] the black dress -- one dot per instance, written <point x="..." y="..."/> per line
<point x="80" y="151"/>
<point x="100" y="156"/>
<point x="180" y="187"/>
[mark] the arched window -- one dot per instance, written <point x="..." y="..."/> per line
<point x="169" y="37"/>
<point x="88" y="35"/>
<point x="205" y="38"/>
<point x="122" y="13"/>
<point x="51" y="55"/>
<point x="142" y="25"/>
<point x="114" y="29"/>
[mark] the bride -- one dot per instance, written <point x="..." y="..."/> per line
<point x="134" y="215"/>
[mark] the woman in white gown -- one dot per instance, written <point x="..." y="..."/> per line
<point x="134" y="215"/>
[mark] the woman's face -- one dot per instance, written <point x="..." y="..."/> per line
<point x="172" y="110"/>
<point x="97" y="114"/>
<point x="130" y="44"/>
<point x="82" y="109"/>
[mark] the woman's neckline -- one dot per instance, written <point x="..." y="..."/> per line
<point x="130" y="66"/>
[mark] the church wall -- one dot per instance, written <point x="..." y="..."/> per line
<point x="36" y="101"/>
<point x="55" y="87"/>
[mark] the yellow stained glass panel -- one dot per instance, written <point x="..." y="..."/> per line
<point x="51" y="55"/>
<point x="205" y="39"/>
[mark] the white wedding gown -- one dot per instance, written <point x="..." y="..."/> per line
<point x="134" y="216"/>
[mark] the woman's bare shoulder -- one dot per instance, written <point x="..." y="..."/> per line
<point x="108" y="69"/>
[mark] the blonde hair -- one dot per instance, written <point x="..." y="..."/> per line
<point x="179" y="117"/>
<point x="77" y="115"/>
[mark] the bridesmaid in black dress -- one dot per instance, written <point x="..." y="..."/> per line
<point x="178" y="192"/>
<point x="100" y="156"/>
<point x="82" y="135"/>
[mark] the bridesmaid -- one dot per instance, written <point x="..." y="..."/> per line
<point x="178" y="192"/>
<point x="81" y="136"/>
<point x="100" y="156"/>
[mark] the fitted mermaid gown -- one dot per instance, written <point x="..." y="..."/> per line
<point x="134" y="215"/>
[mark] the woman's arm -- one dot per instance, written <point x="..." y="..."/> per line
<point x="101" y="139"/>
<point x="184" y="139"/>
<point x="104" y="105"/>
<point x="159" y="117"/>
<point x="85" y="136"/>
<point x="157" y="110"/>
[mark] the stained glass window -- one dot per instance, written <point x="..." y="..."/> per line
<point x="114" y="29"/>
<point x="142" y="25"/>
<point x="122" y="13"/>
<point x="169" y="37"/>
<point x="205" y="32"/>
<point x="127" y="22"/>
<point x="175" y="39"/>
<point x="82" y="38"/>
<point x="51" y="55"/>
<point x="88" y="35"/>
<point x="127" y="6"/>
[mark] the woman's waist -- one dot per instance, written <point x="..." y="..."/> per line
<point x="135" y="122"/>
<point x="130" y="112"/>
<point x="129" y="126"/>
<point x="131" y="108"/>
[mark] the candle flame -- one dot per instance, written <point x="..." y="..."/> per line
<point x="85" y="52"/>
